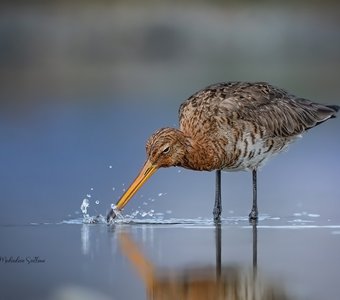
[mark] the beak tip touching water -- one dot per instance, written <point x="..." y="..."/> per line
<point x="110" y="216"/>
<point x="146" y="172"/>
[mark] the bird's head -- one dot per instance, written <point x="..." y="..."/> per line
<point x="165" y="148"/>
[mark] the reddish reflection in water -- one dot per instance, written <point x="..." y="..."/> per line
<point x="202" y="282"/>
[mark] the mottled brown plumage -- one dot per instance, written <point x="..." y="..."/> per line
<point x="231" y="126"/>
<point x="235" y="126"/>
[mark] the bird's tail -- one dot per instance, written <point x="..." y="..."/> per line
<point x="330" y="112"/>
<point x="335" y="108"/>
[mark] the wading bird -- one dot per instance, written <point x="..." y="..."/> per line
<point x="229" y="126"/>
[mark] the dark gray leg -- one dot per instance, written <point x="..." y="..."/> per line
<point x="218" y="205"/>
<point x="254" y="211"/>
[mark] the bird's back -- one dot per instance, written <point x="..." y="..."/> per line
<point x="248" y="119"/>
<point x="281" y="113"/>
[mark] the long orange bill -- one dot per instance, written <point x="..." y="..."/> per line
<point x="142" y="177"/>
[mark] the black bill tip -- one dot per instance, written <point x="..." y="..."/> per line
<point x="110" y="216"/>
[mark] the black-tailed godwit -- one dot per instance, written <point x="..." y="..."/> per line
<point x="230" y="126"/>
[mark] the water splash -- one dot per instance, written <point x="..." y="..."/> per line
<point x="87" y="219"/>
<point x="84" y="205"/>
<point x="114" y="215"/>
<point x="142" y="214"/>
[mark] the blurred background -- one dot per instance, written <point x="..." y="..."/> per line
<point x="84" y="84"/>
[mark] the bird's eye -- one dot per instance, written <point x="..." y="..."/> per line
<point x="166" y="150"/>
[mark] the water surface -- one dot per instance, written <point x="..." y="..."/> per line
<point x="292" y="258"/>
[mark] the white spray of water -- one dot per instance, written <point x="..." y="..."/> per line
<point x="85" y="204"/>
<point x="83" y="207"/>
<point x="117" y="211"/>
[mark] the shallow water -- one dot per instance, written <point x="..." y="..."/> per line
<point x="166" y="246"/>
<point x="291" y="258"/>
<point x="78" y="104"/>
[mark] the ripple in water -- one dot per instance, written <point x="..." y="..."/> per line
<point x="149" y="217"/>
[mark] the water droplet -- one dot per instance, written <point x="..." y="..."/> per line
<point x="88" y="195"/>
<point x="145" y="203"/>
<point x="179" y="171"/>
<point x="97" y="202"/>
<point x="160" y="194"/>
<point x="110" y="167"/>
<point x="113" y="188"/>
<point x="91" y="189"/>
<point x="124" y="190"/>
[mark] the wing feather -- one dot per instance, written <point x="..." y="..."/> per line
<point x="280" y="113"/>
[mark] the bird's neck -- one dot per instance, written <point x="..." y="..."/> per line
<point x="200" y="155"/>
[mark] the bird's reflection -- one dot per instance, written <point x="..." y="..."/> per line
<point x="217" y="282"/>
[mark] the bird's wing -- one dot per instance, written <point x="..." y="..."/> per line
<point x="280" y="113"/>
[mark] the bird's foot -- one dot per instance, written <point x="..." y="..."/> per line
<point x="217" y="214"/>
<point x="253" y="215"/>
<point x="253" y="222"/>
<point x="217" y="220"/>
